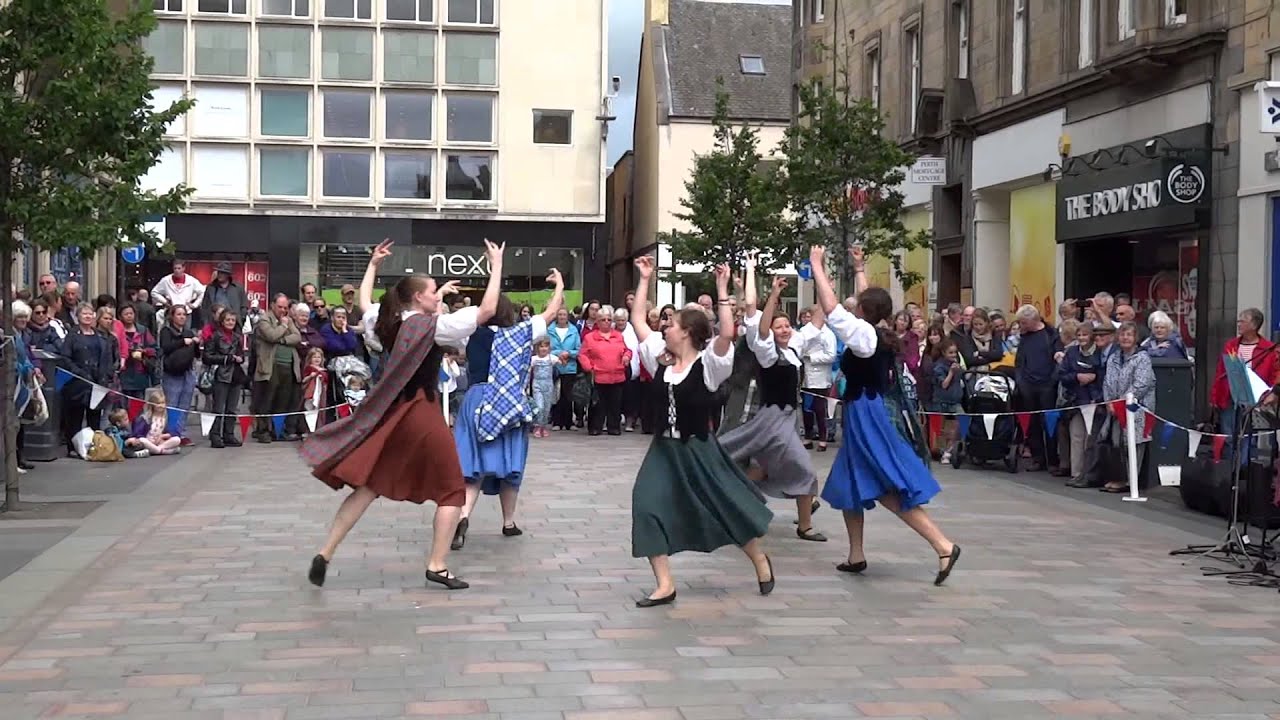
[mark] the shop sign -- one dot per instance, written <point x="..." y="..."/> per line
<point x="929" y="170"/>
<point x="458" y="264"/>
<point x="1268" y="92"/>
<point x="1132" y="198"/>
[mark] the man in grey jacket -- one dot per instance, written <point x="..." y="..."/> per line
<point x="225" y="292"/>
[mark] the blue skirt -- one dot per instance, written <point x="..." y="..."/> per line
<point x="496" y="462"/>
<point x="875" y="460"/>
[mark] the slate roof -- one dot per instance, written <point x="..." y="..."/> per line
<point x="704" y="40"/>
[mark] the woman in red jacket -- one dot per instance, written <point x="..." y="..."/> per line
<point x="604" y="354"/>
<point x="1256" y="353"/>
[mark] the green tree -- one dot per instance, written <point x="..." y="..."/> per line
<point x="843" y="177"/>
<point x="734" y="201"/>
<point x="77" y="134"/>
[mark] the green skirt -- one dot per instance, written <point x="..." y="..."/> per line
<point x="691" y="496"/>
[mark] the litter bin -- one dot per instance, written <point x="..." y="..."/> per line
<point x="43" y="442"/>
<point x="1174" y="403"/>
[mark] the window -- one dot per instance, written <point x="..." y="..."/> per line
<point x="471" y="59"/>
<point x="1085" y="39"/>
<point x="468" y="177"/>
<point x="220" y="171"/>
<point x="287" y="8"/>
<point x="284" y="112"/>
<point x="819" y="8"/>
<point x="170" y="170"/>
<point x="407" y="176"/>
<point x="222" y="7"/>
<point x="1018" y="49"/>
<point x="408" y="56"/>
<point x="348" y="9"/>
<point x="469" y="118"/>
<point x="222" y="49"/>
<point x="472" y="12"/>
<point x="346" y="54"/>
<point x="346" y="114"/>
<point x="873" y="77"/>
<point x="1124" y="20"/>
<point x="409" y="115"/>
<point x="410" y="10"/>
<point x="751" y="64"/>
<point x="221" y="111"/>
<point x="163" y="6"/>
<point x="962" y="38"/>
<point x="1175" y="12"/>
<point x="162" y="96"/>
<point x="553" y="127"/>
<point x="347" y="173"/>
<point x="284" y="171"/>
<point x="913" y="75"/>
<point x="167" y="45"/>
<point x="284" y="52"/>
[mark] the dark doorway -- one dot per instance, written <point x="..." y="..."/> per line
<point x="948" y="279"/>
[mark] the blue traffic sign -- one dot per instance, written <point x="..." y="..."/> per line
<point x="133" y="254"/>
<point x="804" y="270"/>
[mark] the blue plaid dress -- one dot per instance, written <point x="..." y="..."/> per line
<point x="491" y="429"/>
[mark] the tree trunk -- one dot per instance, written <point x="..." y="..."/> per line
<point x="846" y="264"/>
<point x="8" y="370"/>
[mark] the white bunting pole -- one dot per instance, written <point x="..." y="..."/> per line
<point x="1131" y="441"/>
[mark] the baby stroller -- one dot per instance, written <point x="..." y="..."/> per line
<point x="987" y="393"/>
<point x="351" y="379"/>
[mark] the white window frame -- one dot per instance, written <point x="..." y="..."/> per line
<point x="444" y="7"/>
<point x="1171" y="15"/>
<point x="417" y="6"/>
<point x="1085" y="40"/>
<point x="1124" y="20"/>
<point x="873" y="71"/>
<point x="195" y="10"/>
<point x="244" y="183"/>
<point x="262" y="12"/>
<point x="385" y="140"/>
<point x="1018" y="49"/>
<point x="355" y="14"/>
<point x="443" y="171"/>
<point x="319" y="108"/>
<point x="166" y="10"/>
<point x="962" y="39"/>
<point x="432" y="153"/>
<point x="260" y="88"/>
<point x="317" y="167"/>
<point x="913" y="77"/>
<point x="468" y="145"/>
<point x="257" y="172"/>
<point x="819" y="8"/>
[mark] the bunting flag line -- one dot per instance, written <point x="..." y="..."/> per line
<point x="96" y="396"/>
<point x="312" y="416"/>
<point x="1119" y="413"/>
<point x="989" y="424"/>
<point x="1024" y="422"/>
<point x="935" y="425"/>
<point x="344" y="410"/>
<point x="1149" y="424"/>
<point x="964" y="423"/>
<point x="246" y="423"/>
<point x="1086" y="412"/>
<point x="1193" y="441"/>
<point x="1051" y="422"/>
<point x="1166" y="435"/>
<point x="277" y="424"/>
<point x="1218" y="442"/>
<point x="206" y="423"/>
<point x="173" y="418"/>
<point x="135" y="404"/>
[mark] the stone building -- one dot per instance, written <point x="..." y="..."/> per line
<point x="1090" y="144"/>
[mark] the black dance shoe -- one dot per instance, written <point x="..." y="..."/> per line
<point x="855" y="568"/>
<point x="460" y="535"/>
<point x="766" y="586"/>
<point x="319" y="566"/>
<point x="649" y="602"/>
<point x="447" y="579"/>
<point x="951" y="559"/>
<point x="512" y="530"/>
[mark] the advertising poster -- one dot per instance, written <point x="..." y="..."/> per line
<point x="250" y="275"/>
<point x="1173" y="291"/>
<point x="918" y="261"/>
<point x="1033" y="249"/>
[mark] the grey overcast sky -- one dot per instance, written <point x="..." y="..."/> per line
<point x="626" y="23"/>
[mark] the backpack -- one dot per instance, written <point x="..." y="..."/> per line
<point x="103" y="449"/>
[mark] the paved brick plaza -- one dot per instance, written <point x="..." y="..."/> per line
<point x="195" y="604"/>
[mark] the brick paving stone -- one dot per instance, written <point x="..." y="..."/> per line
<point x="202" y="612"/>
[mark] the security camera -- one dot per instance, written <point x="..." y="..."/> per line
<point x="1150" y="147"/>
<point x="616" y="82"/>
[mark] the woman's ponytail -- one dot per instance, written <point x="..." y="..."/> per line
<point x="388" y="325"/>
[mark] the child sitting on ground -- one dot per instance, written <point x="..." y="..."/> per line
<point x="120" y="430"/>
<point x="149" y="428"/>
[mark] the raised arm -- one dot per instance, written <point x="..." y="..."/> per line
<point x="724" y="341"/>
<point x="858" y="257"/>
<point x="639" y="318"/>
<point x="381" y="252"/>
<point x="557" y="297"/>
<point x="771" y="307"/>
<point x="489" y="303"/>
<point x="750" y="300"/>
<point x="821" y="282"/>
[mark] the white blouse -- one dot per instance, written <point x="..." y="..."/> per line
<point x="715" y="368"/>
<point x="858" y="335"/>
<point x="454" y="328"/>
<point x="766" y="350"/>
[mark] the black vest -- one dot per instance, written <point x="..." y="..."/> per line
<point x="870" y="376"/>
<point x="695" y="406"/>
<point x="780" y="384"/>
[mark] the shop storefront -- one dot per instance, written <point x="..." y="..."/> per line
<point x="271" y="254"/>
<point x="1132" y="219"/>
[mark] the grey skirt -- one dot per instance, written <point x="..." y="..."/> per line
<point x="771" y="440"/>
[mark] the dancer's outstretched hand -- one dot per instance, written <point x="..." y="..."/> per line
<point x="447" y="289"/>
<point x="779" y="284"/>
<point x="644" y="264"/>
<point x="555" y="278"/>
<point x="494" y="252"/>
<point x="817" y="256"/>
<point x="722" y="276"/>
<point x="381" y="252"/>
<point x="858" y="255"/>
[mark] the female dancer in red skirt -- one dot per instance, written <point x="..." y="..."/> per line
<point x="397" y="445"/>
